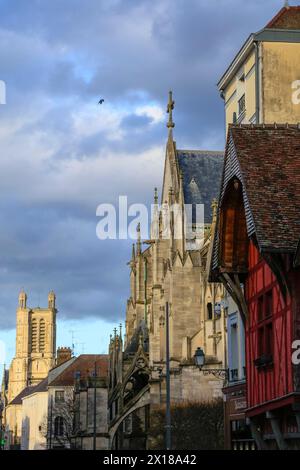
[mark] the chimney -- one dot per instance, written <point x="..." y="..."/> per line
<point x="63" y="355"/>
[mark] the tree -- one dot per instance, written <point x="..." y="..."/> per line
<point x="195" y="426"/>
<point x="58" y="426"/>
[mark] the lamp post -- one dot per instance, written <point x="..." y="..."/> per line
<point x="95" y="408"/>
<point x="168" y="391"/>
<point x="199" y="358"/>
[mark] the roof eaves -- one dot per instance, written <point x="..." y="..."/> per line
<point x="265" y="34"/>
<point x="234" y="65"/>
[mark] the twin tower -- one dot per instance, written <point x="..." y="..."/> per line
<point x="35" y="345"/>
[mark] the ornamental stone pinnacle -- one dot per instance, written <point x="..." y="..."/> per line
<point x="214" y="206"/>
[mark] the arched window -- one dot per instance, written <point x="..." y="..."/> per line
<point x="42" y="335"/>
<point x="34" y="335"/>
<point x="59" y="426"/>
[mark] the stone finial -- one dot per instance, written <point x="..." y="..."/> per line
<point x="286" y="3"/>
<point x="155" y="196"/>
<point x="139" y="243"/>
<point x="170" y="107"/>
<point x="22" y="299"/>
<point x="51" y="299"/>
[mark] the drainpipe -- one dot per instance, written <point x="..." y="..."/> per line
<point x="145" y="291"/>
<point x="257" y="82"/>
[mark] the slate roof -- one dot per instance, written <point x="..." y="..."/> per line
<point x="83" y="364"/>
<point x="202" y="171"/>
<point x="40" y="387"/>
<point x="269" y="161"/>
<point x="133" y="345"/>
<point x="286" y="18"/>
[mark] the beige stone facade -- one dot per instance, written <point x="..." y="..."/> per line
<point x="35" y="345"/>
<point x="174" y="271"/>
<point x="261" y="85"/>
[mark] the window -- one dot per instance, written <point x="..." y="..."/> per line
<point x="59" y="396"/>
<point x="265" y="329"/>
<point x="260" y="308"/>
<point x="242" y="105"/>
<point x="59" y="426"/>
<point x="209" y="311"/>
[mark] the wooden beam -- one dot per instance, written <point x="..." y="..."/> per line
<point x="237" y="294"/>
<point x="275" y="263"/>
<point x="282" y="445"/>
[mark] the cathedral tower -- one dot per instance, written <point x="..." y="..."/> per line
<point x="35" y="344"/>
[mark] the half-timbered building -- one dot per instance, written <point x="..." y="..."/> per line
<point x="255" y="253"/>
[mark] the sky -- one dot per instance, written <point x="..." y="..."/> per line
<point x="63" y="154"/>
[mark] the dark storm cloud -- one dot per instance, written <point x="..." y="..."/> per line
<point x="62" y="154"/>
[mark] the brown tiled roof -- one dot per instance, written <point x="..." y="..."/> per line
<point x="40" y="387"/>
<point x="269" y="159"/>
<point x="85" y="366"/>
<point x="286" y="18"/>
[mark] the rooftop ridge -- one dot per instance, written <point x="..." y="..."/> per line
<point x="275" y="125"/>
<point x="281" y="12"/>
<point x="209" y="152"/>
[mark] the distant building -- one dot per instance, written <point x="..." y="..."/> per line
<point x="35" y="356"/>
<point x="35" y="345"/>
<point x="35" y="404"/>
<point x="91" y="403"/>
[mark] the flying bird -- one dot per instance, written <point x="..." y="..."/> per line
<point x="101" y="101"/>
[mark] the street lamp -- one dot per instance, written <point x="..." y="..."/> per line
<point x="199" y="358"/>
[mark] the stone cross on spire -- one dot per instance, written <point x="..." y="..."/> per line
<point x="170" y="108"/>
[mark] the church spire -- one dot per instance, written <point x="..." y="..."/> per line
<point x="170" y="107"/>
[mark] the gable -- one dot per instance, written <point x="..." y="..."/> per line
<point x="201" y="176"/>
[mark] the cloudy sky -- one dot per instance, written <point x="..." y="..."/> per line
<point x="62" y="154"/>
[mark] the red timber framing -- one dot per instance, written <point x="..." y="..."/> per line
<point x="269" y="334"/>
<point x="256" y="256"/>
